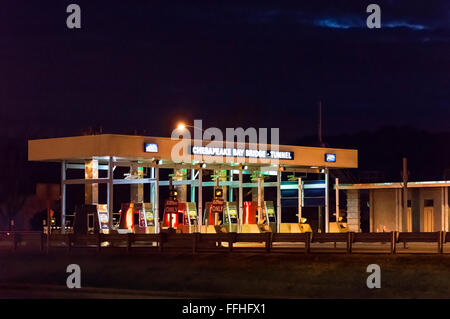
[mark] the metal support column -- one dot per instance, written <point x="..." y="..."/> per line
<point x="216" y="216"/>
<point x="200" y="199"/>
<point x="337" y="199"/>
<point x="230" y="188"/>
<point x="398" y="208"/>
<point x="63" y="199"/>
<point x="444" y="208"/>
<point x="260" y="199"/>
<point x="156" y="207"/>
<point x="241" y="200"/>
<point x="152" y="187"/>
<point x="278" y="200"/>
<point x="192" y="186"/>
<point x="405" y="219"/>
<point x="300" y="200"/>
<point x="327" y="208"/>
<point x="110" y="193"/>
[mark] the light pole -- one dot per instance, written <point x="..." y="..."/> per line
<point x="182" y="126"/>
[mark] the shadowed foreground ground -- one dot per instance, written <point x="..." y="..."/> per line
<point x="235" y="275"/>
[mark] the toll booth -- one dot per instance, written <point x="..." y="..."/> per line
<point x="270" y="216"/>
<point x="136" y="218"/>
<point x="126" y="221"/>
<point x="230" y="218"/>
<point x="102" y="216"/>
<point x="86" y="219"/>
<point x="338" y="227"/>
<point x="224" y="221"/>
<point x="149" y="217"/>
<point x="213" y="217"/>
<point x="146" y="219"/>
<point x="170" y="218"/>
<point x="208" y="219"/>
<point x="249" y="218"/>
<point x="187" y="218"/>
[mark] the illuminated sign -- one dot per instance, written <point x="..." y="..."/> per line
<point x="241" y="152"/>
<point x="171" y="206"/>
<point x="218" y="193"/>
<point x="217" y="205"/>
<point x="331" y="158"/>
<point x="173" y="193"/>
<point x="150" y="148"/>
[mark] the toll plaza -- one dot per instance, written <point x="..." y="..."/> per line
<point x="190" y="186"/>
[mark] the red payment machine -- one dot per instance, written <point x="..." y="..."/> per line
<point x="213" y="217"/>
<point x="250" y="213"/>
<point x="249" y="218"/>
<point x="136" y="218"/>
<point x="170" y="219"/>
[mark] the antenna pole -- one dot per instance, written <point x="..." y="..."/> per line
<point x="320" y="125"/>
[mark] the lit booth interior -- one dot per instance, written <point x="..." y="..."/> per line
<point x="139" y="184"/>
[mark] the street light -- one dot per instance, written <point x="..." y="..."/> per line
<point x="182" y="126"/>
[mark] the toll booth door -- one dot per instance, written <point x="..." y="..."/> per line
<point x="409" y="220"/>
<point x="428" y="219"/>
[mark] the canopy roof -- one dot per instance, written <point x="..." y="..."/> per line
<point x="133" y="148"/>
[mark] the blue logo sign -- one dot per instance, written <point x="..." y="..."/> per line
<point x="150" y="148"/>
<point x="331" y="158"/>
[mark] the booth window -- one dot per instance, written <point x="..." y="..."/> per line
<point x="428" y="203"/>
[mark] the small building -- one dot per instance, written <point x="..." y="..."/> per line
<point x="427" y="202"/>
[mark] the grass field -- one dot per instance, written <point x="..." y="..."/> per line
<point x="240" y="275"/>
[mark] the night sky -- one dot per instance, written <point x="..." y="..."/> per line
<point x="145" y="65"/>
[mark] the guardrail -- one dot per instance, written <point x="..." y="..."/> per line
<point x="17" y="237"/>
<point x="416" y="237"/>
<point x="293" y="238"/>
<point x="334" y="238"/>
<point x="377" y="238"/>
<point x="225" y="242"/>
